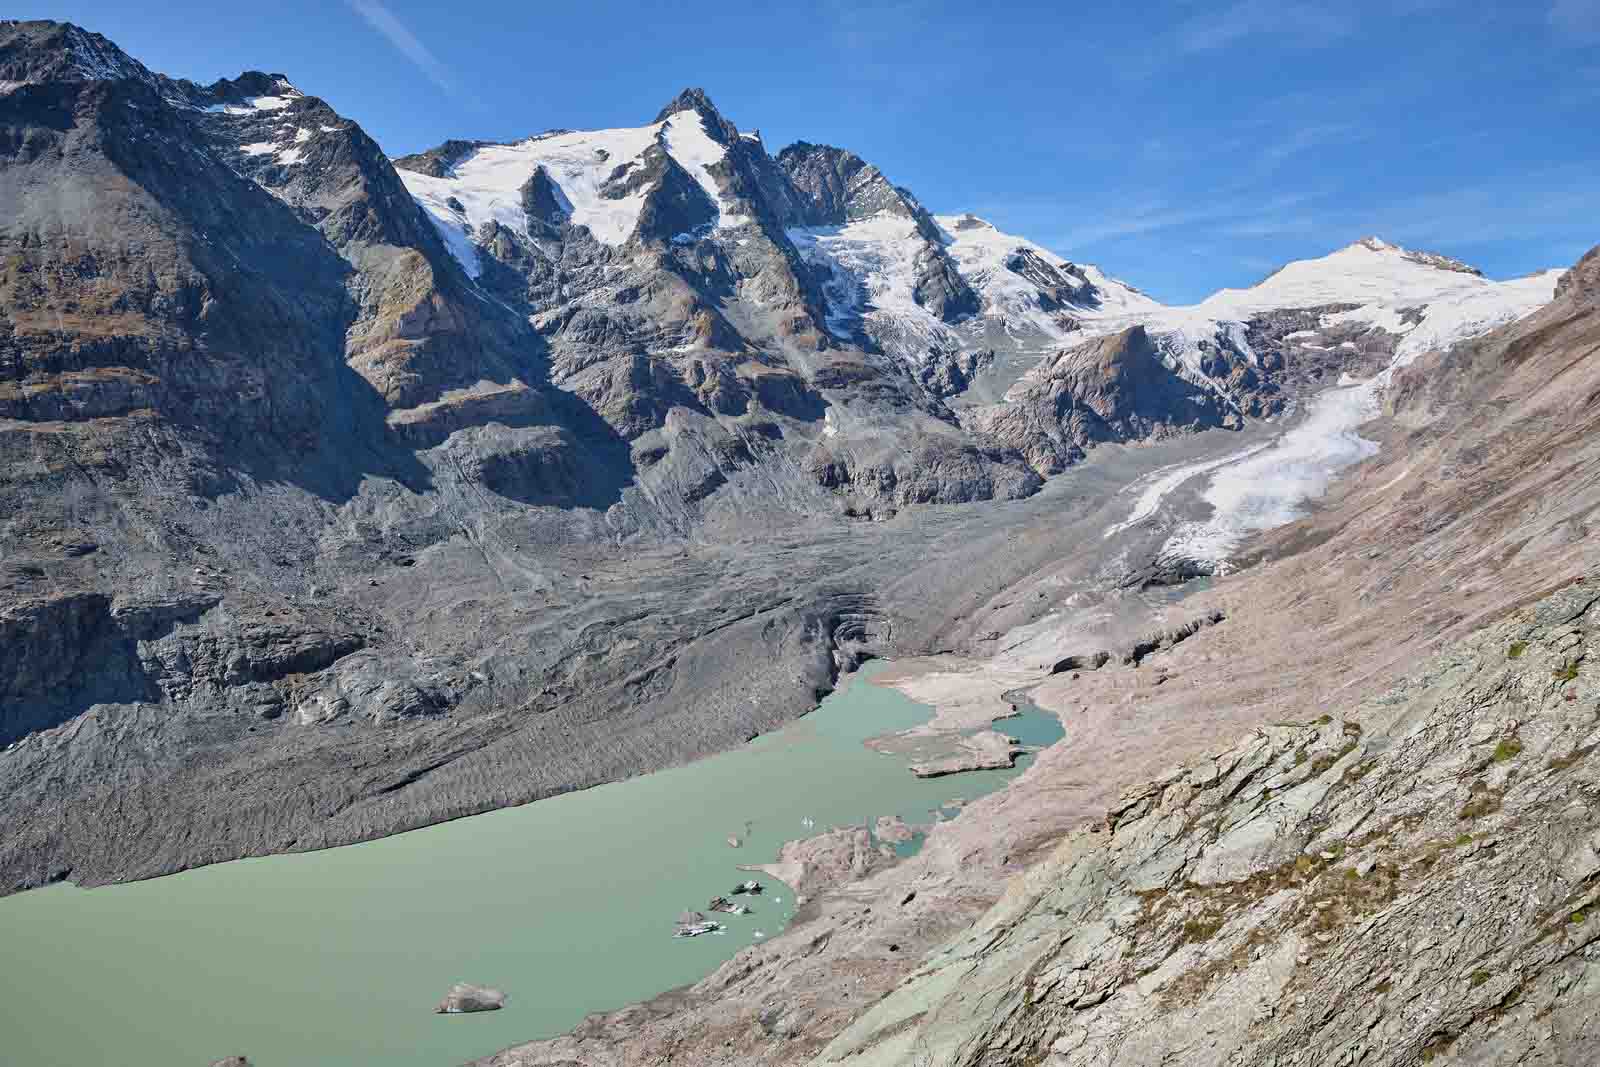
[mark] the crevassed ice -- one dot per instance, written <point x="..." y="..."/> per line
<point x="875" y="256"/>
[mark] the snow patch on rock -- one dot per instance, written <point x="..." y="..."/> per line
<point x="687" y="141"/>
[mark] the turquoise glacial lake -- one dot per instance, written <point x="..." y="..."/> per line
<point x="338" y="958"/>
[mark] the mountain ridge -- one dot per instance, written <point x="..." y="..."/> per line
<point x="300" y="475"/>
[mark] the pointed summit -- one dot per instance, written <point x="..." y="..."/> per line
<point x="696" y="100"/>
<point x="1427" y="259"/>
<point x="252" y="83"/>
<point x="691" y="99"/>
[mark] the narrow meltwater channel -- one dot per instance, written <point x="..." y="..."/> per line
<point x="337" y="958"/>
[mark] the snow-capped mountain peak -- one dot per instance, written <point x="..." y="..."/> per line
<point x="1432" y="259"/>
<point x="697" y="101"/>
<point x="1363" y="272"/>
<point x="934" y="293"/>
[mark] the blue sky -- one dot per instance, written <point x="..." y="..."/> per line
<point x="1182" y="145"/>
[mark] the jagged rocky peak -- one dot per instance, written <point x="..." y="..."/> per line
<point x="843" y="187"/>
<point x="34" y="52"/>
<point x="882" y="224"/>
<point x="699" y="102"/>
<point x="252" y="85"/>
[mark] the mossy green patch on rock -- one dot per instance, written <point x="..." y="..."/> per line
<point x="1508" y="749"/>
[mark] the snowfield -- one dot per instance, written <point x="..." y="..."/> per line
<point x="874" y="258"/>
<point x="488" y="182"/>
<point x="696" y="152"/>
<point x="1269" y="487"/>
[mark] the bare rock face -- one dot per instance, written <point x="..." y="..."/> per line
<point x="1113" y="388"/>
<point x="464" y="998"/>
<point x="1413" y="877"/>
<point x="837" y="186"/>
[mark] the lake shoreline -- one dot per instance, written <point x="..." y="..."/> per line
<point x="496" y="899"/>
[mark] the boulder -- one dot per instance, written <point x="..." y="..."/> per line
<point x="464" y="998"/>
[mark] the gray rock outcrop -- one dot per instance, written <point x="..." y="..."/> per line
<point x="1414" y="878"/>
<point x="465" y="998"/>
<point x="1113" y="388"/>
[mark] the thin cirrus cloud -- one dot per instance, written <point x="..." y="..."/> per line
<point x="388" y="25"/>
<point x="1304" y="23"/>
<point x="1580" y="18"/>
<point x="1163" y="215"/>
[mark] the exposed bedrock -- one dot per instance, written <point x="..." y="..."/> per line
<point x="1414" y="877"/>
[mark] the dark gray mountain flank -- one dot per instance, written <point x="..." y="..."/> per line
<point x="327" y="512"/>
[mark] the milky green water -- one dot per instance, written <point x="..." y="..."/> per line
<point x="337" y="958"/>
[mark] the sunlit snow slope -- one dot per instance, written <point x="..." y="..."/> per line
<point x="487" y="182"/>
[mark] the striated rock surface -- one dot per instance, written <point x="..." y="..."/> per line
<point x="1415" y="877"/>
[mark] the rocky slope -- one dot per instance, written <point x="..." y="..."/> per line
<point x="1399" y="685"/>
<point x="341" y="495"/>
<point x="1409" y="879"/>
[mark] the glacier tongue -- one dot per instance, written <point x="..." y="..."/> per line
<point x="1271" y="487"/>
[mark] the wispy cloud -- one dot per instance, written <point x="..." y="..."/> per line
<point x="1578" y="17"/>
<point x="1532" y="205"/>
<point x="1217" y="214"/>
<point x="1305" y="24"/>
<point x="377" y="15"/>
<point x="1538" y="206"/>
